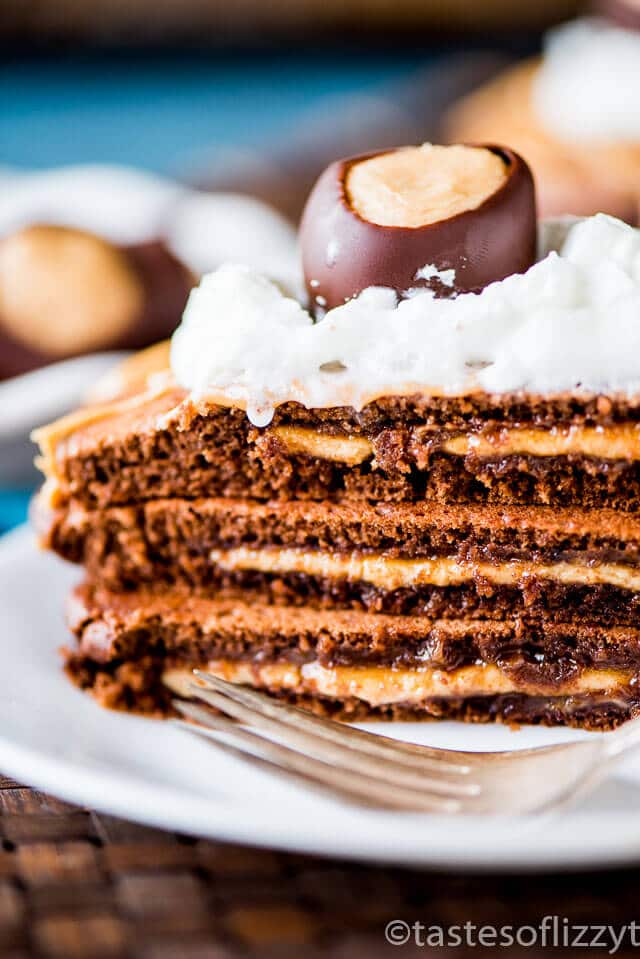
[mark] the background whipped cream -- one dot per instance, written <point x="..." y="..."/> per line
<point x="127" y="206"/>
<point x="572" y="321"/>
<point x="122" y="205"/>
<point x="588" y="84"/>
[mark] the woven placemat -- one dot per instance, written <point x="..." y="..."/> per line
<point x="75" y="883"/>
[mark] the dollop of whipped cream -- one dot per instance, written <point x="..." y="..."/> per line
<point x="571" y="322"/>
<point x="588" y="85"/>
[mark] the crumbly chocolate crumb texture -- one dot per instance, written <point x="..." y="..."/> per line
<point x="143" y="495"/>
<point x="169" y="543"/>
<point x="181" y="628"/>
<point x="465" y="532"/>
<point x="158" y="449"/>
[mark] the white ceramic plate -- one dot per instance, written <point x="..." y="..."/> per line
<point x="35" y="398"/>
<point x="56" y="738"/>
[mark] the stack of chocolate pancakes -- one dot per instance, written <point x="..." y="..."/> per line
<point x="471" y="556"/>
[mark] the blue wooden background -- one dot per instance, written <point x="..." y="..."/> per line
<point x="169" y="112"/>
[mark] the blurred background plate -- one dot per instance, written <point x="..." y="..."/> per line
<point x="32" y="399"/>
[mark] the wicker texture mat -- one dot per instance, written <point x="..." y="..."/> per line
<point x="75" y="883"/>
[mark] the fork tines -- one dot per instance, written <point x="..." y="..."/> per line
<point x="364" y="766"/>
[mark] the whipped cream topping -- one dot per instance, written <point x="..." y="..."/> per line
<point x="588" y="85"/>
<point x="430" y="271"/>
<point x="571" y="322"/>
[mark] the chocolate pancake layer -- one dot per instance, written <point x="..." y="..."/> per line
<point x="139" y="686"/>
<point x="165" y="446"/>
<point x="427" y="560"/>
<point x="495" y="534"/>
<point x="535" y="599"/>
<point x="183" y="628"/>
<point x="473" y="557"/>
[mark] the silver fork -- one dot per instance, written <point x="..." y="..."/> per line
<point x="375" y="770"/>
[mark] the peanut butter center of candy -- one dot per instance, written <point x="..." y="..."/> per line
<point x="416" y="186"/>
<point x="65" y="291"/>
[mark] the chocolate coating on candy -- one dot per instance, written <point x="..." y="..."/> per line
<point x="167" y="283"/>
<point x="65" y="291"/>
<point x="623" y="13"/>
<point x="343" y="254"/>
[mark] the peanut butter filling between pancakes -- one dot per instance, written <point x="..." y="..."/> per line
<point x="612" y="443"/>
<point x="383" y="685"/>
<point x="388" y="574"/>
<point x="621" y="442"/>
